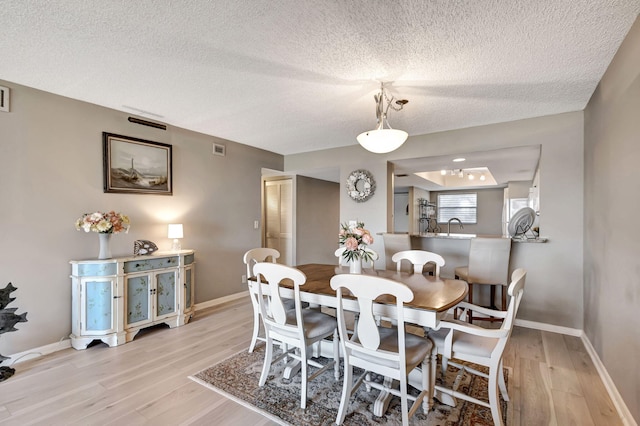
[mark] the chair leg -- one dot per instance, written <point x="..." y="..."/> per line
<point x="303" y="376"/>
<point x="492" y="304"/>
<point x="336" y="355"/>
<point x="432" y="376"/>
<point x="470" y="298"/>
<point x="503" y="293"/>
<point x="268" y="354"/>
<point x="501" y="383"/>
<point x="403" y="401"/>
<point x="346" y="392"/>
<point x="494" y="401"/>
<point x="256" y="330"/>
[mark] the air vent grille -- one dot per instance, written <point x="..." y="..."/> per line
<point x="4" y="99"/>
<point x="219" y="150"/>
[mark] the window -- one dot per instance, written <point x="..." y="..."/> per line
<point x="461" y="206"/>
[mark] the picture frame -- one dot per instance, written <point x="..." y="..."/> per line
<point x="136" y="166"/>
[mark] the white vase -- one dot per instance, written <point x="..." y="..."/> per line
<point x="355" y="266"/>
<point x="105" y="246"/>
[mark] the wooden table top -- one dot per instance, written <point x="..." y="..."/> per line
<point x="429" y="293"/>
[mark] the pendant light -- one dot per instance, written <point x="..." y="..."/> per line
<point x="383" y="139"/>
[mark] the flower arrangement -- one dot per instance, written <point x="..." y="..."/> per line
<point x="355" y="240"/>
<point x="104" y="223"/>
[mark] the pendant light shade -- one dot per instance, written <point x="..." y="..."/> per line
<point x="383" y="139"/>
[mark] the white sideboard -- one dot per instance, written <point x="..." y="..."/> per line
<point x="113" y="299"/>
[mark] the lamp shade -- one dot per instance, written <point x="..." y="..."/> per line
<point x="381" y="141"/>
<point x="175" y="230"/>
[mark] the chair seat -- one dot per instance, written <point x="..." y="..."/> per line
<point x="464" y="342"/>
<point x="315" y="323"/>
<point x="462" y="272"/>
<point x="417" y="348"/>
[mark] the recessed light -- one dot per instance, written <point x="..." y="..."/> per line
<point x="459" y="160"/>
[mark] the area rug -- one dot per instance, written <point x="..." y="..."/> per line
<point x="237" y="378"/>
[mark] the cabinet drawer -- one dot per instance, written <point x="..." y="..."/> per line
<point x="149" y="264"/>
<point x="189" y="258"/>
<point x="97" y="269"/>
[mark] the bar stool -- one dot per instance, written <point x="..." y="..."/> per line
<point x="488" y="264"/>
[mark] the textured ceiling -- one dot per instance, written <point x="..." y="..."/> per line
<point x="296" y="76"/>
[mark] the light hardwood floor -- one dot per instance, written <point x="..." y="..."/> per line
<point x="553" y="381"/>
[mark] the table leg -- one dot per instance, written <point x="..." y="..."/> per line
<point x="381" y="403"/>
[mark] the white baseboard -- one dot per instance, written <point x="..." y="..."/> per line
<point x="36" y="352"/>
<point x="221" y="300"/>
<point x="616" y="398"/>
<point x="549" y="327"/>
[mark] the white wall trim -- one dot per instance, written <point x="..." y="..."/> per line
<point x="37" y="352"/>
<point x="221" y="300"/>
<point x="618" y="402"/>
<point x="549" y="327"/>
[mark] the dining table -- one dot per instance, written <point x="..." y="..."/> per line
<point x="433" y="297"/>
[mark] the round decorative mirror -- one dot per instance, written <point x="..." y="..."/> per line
<point x="360" y="185"/>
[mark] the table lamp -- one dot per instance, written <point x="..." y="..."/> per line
<point x="175" y="232"/>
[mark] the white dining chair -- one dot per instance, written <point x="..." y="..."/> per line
<point x="461" y="341"/>
<point x="419" y="258"/>
<point x="250" y="258"/>
<point x="488" y="264"/>
<point x="298" y="329"/>
<point x="390" y="352"/>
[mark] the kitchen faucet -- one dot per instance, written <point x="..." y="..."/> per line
<point x="449" y="224"/>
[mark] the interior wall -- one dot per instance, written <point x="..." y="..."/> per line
<point x="489" y="211"/>
<point x="612" y="237"/>
<point x="51" y="169"/>
<point x="554" y="280"/>
<point x="401" y="212"/>
<point x="317" y="219"/>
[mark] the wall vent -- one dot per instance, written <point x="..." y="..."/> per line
<point x="219" y="150"/>
<point x="147" y="123"/>
<point x="4" y="99"/>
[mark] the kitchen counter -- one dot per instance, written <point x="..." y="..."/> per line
<point x="453" y="236"/>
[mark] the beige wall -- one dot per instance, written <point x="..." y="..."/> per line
<point x="317" y="220"/>
<point x="612" y="235"/>
<point x="554" y="280"/>
<point x="489" y="219"/>
<point x="51" y="173"/>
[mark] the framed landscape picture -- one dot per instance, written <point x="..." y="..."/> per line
<point x="136" y="166"/>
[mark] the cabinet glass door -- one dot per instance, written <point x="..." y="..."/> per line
<point x="166" y="294"/>
<point x="98" y="307"/>
<point x="138" y="300"/>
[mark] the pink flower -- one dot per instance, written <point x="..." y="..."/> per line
<point x="359" y="231"/>
<point x="367" y="239"/>
<point x="351" y="244"/>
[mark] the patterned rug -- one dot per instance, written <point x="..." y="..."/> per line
<point x="279" y="399"/>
